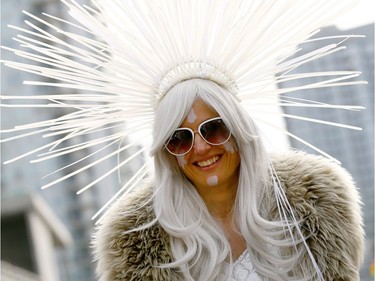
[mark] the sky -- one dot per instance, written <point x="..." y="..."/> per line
<point x="362" y="14"/>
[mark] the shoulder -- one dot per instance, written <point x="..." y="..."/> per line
<point x="328" y="204"/>
<point x="317" y="181"/>
<point x="125" y="253"/>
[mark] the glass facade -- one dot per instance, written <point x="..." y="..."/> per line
<point x="354" y="149"/>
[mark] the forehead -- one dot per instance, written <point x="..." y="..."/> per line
<point x="199" y="112"/>
<point x="199" y="104"/>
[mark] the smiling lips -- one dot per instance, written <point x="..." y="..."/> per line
<point x="208" y="162"/>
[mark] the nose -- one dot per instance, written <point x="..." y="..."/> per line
<point x="200" y="145"/>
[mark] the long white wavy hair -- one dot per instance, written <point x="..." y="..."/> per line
<point x="199" y="245"/>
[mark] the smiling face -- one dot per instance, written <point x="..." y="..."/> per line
<point x="206" y="165"/>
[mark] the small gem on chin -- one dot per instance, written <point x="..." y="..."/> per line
<point x="212" y="180"/>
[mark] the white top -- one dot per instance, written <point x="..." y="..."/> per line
<point x="243" y="270"/>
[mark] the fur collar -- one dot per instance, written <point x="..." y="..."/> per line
<point x="321" y="193"/>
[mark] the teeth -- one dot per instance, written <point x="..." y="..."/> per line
<point x="208" y="162"/>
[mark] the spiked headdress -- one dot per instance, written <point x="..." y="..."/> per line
<point x="124" y="56"/>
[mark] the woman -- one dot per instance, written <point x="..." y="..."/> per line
<point x="217" y="208"/>
<point x="220" y="207"/>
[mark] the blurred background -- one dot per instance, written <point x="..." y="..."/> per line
<point x="45" y="235"/>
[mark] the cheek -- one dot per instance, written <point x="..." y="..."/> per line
<point x="181" y="161"/>
<point x="212" y="180"/>
<point x="230" y="146"/>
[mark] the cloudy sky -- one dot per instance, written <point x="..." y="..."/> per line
<point x="362" y="14"/>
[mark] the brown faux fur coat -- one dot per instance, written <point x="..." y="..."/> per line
<point x="321" y="193"/>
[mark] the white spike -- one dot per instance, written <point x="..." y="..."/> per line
<point x="86" y="167"/>
<point x="131" y="182"/>
<point x="114" y="169"/>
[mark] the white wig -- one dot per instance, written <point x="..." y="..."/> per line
<point x="199" y="245"/>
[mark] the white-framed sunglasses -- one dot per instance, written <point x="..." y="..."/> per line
<point x="213" y="131"/>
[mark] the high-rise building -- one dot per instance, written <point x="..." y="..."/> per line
<point x="354" y="149"/>
<point x="31" y="233"/>
<point x="21" y="178"/>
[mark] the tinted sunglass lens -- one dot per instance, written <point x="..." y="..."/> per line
<point x="215" y="132"/>
<point x="180" y="142"/>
